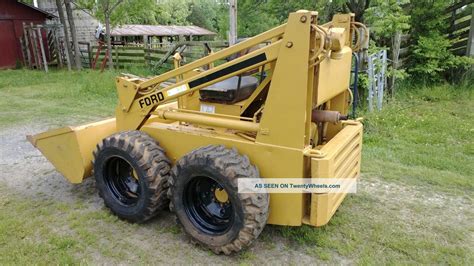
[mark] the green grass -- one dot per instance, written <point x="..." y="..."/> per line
<point x="423" y="137"/>
<point x="414" y="204"/>
<point x="420" y="146"/>
<point x="25" y="235"/>
<point x="49" y="232"/>
<point x="27" y="96"/>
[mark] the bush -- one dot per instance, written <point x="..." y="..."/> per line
<point x="432" y="58"/>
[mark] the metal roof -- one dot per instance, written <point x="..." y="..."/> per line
<point x="159" y="30"/>
<point x="48" y="15"/>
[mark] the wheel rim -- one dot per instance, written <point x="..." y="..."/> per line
<point x="122" y="181"/>
<point x="208" y="206"/>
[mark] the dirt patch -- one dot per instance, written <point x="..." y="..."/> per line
<point x="27" y="171"/>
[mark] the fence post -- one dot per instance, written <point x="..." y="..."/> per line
<point x="470" y="41"/>
<point x="115" y="48"/>
<point x="397" y="39"/>
<point x="89" y="54"/>
<point x="370" y="92"/>
<point x="452" y="23"/>
<point x="27" y="45"/>
<point x="145" y="47"/>
<point x="57" y="46"/>
<point x="43" y="54"/>
<point x="382" y="82"/>
<point x="34" y="42"/>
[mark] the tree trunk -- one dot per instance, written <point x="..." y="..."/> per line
<point x="66" y="34"/>
<point x="396" y="41"/>
<point x="109" y="41"/>
<point x="232" y="22"/>
<point x="358" y="7"/>
<point x="72" y="27"/>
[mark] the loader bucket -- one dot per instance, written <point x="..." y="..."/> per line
<point x="70" y="149"/>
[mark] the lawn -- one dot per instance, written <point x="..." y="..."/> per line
<point x="414" y="204"/>
<point x="27" y="96"/>
<point x="418" y="154"/>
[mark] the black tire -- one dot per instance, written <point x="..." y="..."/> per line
<point x="131" y="172"/>
<point x="221" y="229"/>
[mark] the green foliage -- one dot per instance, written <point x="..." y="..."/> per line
<point x="125" y="11"/>
<point x="254" y="18"/>
<point x="426" y="17"/>
<point x="280" y="9"/>
<point x="203" y="13"/>
<point x="432" y="58"/>
<point x="257" y="16"/>
<point x="175" y="12"/>
<point x="138" y="12"/>
<point x="326" y="9"/>
<point x="29" y="2"/>
<point x="223" y="21"/>
<point x="386" y="17"/>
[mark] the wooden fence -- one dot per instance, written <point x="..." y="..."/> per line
<point x="42" y="46"/>
<point x="160" y="56"/>
<point x="460" y="18"/>
<point x="461" y="27"/>
<point x="403" y="52"/>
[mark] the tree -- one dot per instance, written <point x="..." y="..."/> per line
<point x="203" y="14"/>
<point x="431" y="57"/>
<point x="254" y="18"/>
<point x="387" y="17"/>
<point x="108" y="6"/>
<point x="59" y="5"/>
<point x="177" y="11"/>
<point x="72" y="28"/>
<point x="138" y="12"/>
<point x="280" y="9"/>
<point x="388" y="20"/>
<point x="127" y="12"/>
<point x="358" y="7"/>
<point x="103" y="9"/>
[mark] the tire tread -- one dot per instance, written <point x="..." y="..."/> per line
<point x="152" y="159"/>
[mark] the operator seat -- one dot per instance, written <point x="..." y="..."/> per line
<point x="230" y="90"/>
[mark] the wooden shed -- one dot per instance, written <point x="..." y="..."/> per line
<point x="143" y="33"/>
<point x="12" y="16"/>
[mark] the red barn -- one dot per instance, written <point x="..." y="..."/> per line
<point x="12" y="16"/>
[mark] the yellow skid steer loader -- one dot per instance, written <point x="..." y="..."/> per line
<point x="182" y="139"/>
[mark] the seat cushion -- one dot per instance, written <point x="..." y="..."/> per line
<point x="227" y="91"/>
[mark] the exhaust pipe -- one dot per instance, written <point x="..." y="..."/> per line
<point x="326" y="116"/>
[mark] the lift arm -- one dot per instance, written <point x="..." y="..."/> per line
<point x="138" y="98"/>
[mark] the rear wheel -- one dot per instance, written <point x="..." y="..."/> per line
<point x="131" y="172"/>
<point x="204" y="196"/>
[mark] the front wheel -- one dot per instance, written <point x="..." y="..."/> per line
<point x="131" y="172"/>
<point x="204" y="196"/>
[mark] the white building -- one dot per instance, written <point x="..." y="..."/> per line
<point x="85" y="23"/>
